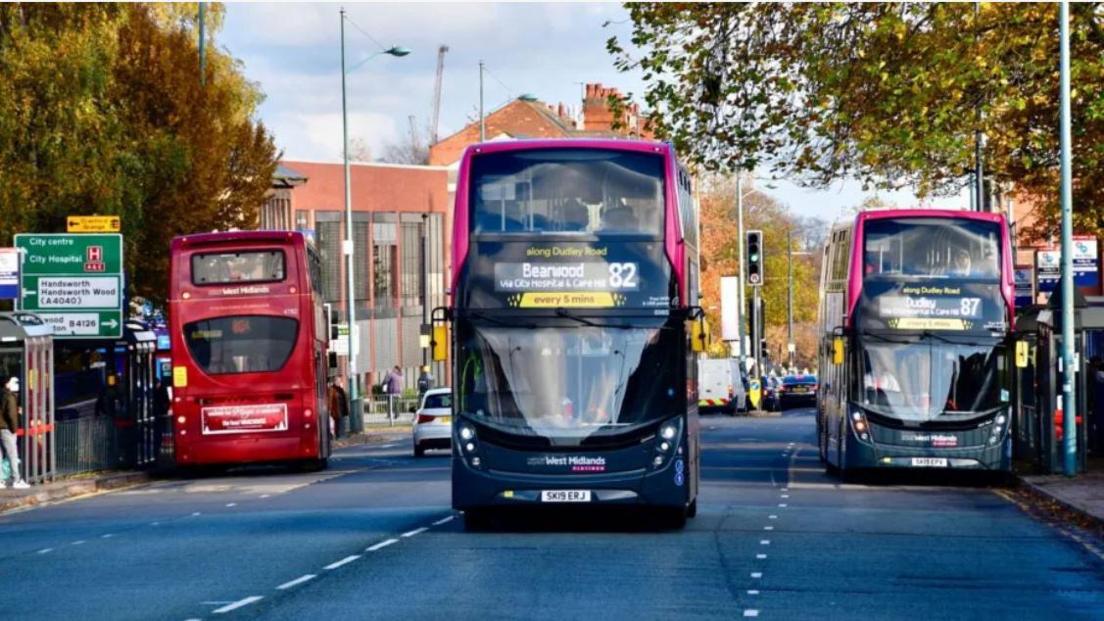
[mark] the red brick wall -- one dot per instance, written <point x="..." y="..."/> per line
<point x="375" y="187"/>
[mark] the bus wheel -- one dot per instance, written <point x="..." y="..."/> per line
<point x="477" y="520"/>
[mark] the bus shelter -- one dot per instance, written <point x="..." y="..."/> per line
<point x="27" y="352"/>
<point x="1039" y="409"/>
<point x="142" y="422"/>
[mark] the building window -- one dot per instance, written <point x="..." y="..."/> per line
<point x="413" y="264"/>
<point x="384" y="259"/>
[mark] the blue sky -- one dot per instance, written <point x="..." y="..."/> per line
<point x="293" y="52"/>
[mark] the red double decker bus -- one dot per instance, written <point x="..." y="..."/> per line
<point x="248" y="349"/>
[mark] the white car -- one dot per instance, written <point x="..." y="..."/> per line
<point x="432" y="426"/>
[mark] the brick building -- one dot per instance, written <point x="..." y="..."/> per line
<point x="400" y="223"/>
<point x="522" y="118"/>
<point x="1024" y="213"/>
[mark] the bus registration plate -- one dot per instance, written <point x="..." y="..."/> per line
<point x="565" y="495"/>
<point x="930" y="462"/>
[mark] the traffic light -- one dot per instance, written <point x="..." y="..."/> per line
<point x="754" y="258"/>
<point x="764" y="352"/>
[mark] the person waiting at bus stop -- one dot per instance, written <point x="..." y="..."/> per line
<point x="9" y="424"/>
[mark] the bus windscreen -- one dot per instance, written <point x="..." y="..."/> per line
<point x="238" y="267"/>
<point x="923" y="248"/>
<point x="567" y="191"/>
<point x="242" y="344"/>
<point x="567" y="384"/>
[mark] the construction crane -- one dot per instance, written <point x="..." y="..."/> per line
<point x="437" y="92"/>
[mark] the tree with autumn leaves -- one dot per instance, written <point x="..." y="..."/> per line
<point x="720" y="256"/>
<point x="102" y="112"/>
<point x="889" y="93"/>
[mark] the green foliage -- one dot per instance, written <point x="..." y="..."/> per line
<point x="102" y="112"/>
<point x="890" y="93"/>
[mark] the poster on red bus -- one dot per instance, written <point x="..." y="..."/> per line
<point x="244" y="418"/>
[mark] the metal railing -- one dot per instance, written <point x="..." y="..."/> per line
<point x="86" y="444"/>
<point x="389" y="409"/>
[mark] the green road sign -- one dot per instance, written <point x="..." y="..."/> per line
<point x="74" y="283"/>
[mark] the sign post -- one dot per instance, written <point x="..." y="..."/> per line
<point x="74" y="283"/>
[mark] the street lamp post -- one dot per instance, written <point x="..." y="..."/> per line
<point x="356" y="422"/>
<point x="1069" y="394"/>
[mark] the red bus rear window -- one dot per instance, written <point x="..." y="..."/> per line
<point x="236" y="267"/>
<point x="245" y="344"/>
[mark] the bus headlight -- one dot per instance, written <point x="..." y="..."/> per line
<point x="669" y="431"/>
<point x="859" y="424"/>
<point x="466" y="432"/>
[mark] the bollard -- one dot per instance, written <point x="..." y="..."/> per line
<point x="356" y="416"/>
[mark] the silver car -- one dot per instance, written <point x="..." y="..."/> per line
<point x="432" y="426"/>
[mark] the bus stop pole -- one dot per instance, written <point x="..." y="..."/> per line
<point x="1069" y="397"/>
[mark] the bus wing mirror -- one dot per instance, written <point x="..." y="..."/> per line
<point x="699" y="336"/>
<point x="1022" y="354"/>
<point x="440" y="343"/>
<point x="837" y="350"/>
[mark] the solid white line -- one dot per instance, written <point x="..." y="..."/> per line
<point x="756" y="574"/>
<point x="382" y="544"/>
<point x="416" y="531"/>
<point x="344" y="561"/>
<point x="764" y="542"/>
<point x="751" y="613"/>
<point x="753" y="592"/>
<point x="760" y="556"/>
<point x="238" y="604"/>
<point x="45" y="550"/>
<point x="444" y="520"/>
<point x="296" y="582"/>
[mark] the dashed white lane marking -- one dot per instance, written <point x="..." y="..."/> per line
<point x="238" y="604"/>
<point x="773" y="516"/>
<point x="45" y="550"/>
<point x="231" y="504"/>
<point x="785" y="495"/>
<point x="764" y="542"/>
<point x="444" y="520"/>
<point x="344" y="561"/>
<point x="783" y="505"/>
<point x="266" y="495"/>
<point x="380" y="545"/>
<point x="107" y="536"/>
<point x="753" y="592"/>
<point x="296" y="582"/>
<point x="751" y="612"/>
<point x="757" y="574"/>
<point x="195" y="513"/>
<point x="785" y="489"/>
<point x="768" y="528"/>
<point x="760" y="556"/>
<point x="155" y="523"/>
<point x="416" y="531"/>
<point x="78" y="542"/>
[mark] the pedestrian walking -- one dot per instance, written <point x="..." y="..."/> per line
<point x="392" y="385"/>
<point x="425" y="381"/>
<point x="9" y="424"/>
<point x="338" y="406"/>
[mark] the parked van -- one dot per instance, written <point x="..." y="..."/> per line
<point x="721" y="386"/>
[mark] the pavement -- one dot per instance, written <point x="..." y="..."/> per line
<point x="1083" y="494"/>
<point x="374" y="537"/>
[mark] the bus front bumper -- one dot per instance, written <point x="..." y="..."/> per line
<point x="997" y="457"/>
<point x="472" y="489"/>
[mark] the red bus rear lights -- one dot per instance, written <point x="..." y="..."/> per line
<point x="307" y="413"/>
<point x="181" y="420"/>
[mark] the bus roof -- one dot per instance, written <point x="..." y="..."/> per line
<point x="885" y="214"/>
<point x="610" y="144"/>
<point x="222" y="237"/>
